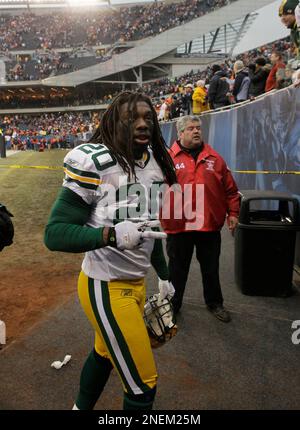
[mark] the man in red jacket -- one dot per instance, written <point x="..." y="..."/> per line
<point x="277" y="63"/>
<point x="209" y="194"/>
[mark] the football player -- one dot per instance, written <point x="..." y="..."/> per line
<point x="108" y="184"/>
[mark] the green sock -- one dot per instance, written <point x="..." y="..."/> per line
<point x="135" y="402"/>
<point x="94" y="375"/>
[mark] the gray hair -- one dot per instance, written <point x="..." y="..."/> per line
<point x="184" y="120"/>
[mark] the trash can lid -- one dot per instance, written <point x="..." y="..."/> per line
<point x="265" y="195"/>
<point x="282" y="217"/>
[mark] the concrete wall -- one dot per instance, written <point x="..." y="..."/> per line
<point x="181" y="69"/>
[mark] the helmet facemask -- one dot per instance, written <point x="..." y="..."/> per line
<point x="160" y="320"/>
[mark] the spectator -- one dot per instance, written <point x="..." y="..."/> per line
<point x="7" y="139"/>
<point x="258" y="74"/>
<point x="186" y="99"/>
<point x="284" y="77"/>
<point x="202" y="215"/>
<point x="241" y="83"/>
<point x="174" y="108"/>
<point x="164" y="110"/>
<point x="218" y="91"/>
<point x="288" y="18"/>
<point x="200" y="98"/>
<point x="276" y="61"/>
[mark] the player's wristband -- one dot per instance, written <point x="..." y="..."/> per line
<point x="111" y="239"/>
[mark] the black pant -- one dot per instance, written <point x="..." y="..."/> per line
<point x="180" y="248"/>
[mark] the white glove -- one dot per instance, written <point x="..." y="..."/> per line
<point x="150" y="233"/>
<point x="166" y="290"/>
<point x="127" y="235"/>
<point x="130" y="234"/>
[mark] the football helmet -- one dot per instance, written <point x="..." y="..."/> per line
<point x="160" y="320"/>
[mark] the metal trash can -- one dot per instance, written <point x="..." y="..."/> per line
<point x="265" y="243"/>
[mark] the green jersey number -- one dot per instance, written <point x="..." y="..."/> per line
<point x="101" y="156"/>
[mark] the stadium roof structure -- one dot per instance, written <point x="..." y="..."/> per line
<point x="223" y="40"/>
<point x="148" y="53"/>
<point x="204" y="40"/>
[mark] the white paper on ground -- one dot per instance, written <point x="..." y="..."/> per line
<point x="2" y="333"/>
<point x="58" y="364"/>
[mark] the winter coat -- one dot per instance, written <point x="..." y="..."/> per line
<point x="271" y="82"/>
<point x="258" y="81"/>
<point x="220" y="194"/>
<point x="218" y="90"/>
<point x="200" y="103"/>
<point x="241" y="86"/>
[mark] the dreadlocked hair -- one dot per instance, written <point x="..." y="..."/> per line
<point x="122" y="149"/>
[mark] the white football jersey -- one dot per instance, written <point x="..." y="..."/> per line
<point x="92" y="172"/>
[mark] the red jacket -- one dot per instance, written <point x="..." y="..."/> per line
<point x="271" y="82"/>
<point x="202" y="208"/>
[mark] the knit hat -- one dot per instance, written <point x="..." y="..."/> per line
<point x="288" y="7"/>
<point x="238" y="66"/>
<point x="200" y="83"/>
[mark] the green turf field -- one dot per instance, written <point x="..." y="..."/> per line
<point x="29" y="195"/>
<point x="33" y="279"/>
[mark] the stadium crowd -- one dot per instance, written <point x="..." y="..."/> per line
<point x="49" y="33"/>
<point x="54" y="130"/>
<point x="91" y="94"/>
<point x="269" y="67"/>
<point x="172" y="98"/>
<point x="62" y="30"/>
<point x="253" y="73"/>
<point x="43" y="64"/>
<point x="29" y="31"/>
<point x="164" y="87"/>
